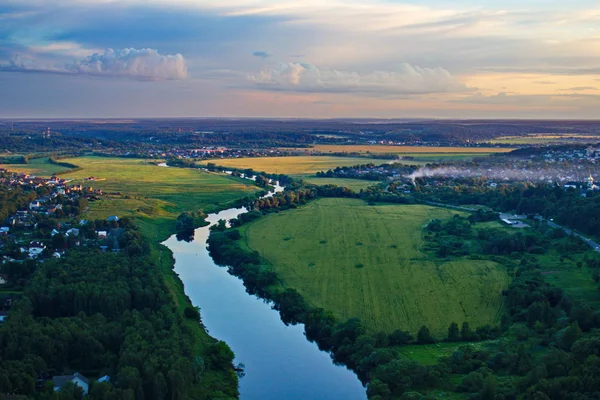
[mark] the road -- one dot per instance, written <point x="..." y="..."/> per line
<point x="594" y="245"/>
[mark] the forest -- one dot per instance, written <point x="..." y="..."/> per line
<point x="103" y="313"/>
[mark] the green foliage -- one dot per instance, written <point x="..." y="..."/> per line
<point x="424" y="336"/>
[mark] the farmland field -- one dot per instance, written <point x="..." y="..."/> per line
<point x="365" y="261"/>
<point x="408" y="150"/>
<point x="155" y="194"/>
<point x="544" y="139"/>
<point x="354" y="184"/>
<point x="300" y="165"/>
<point x="36" y="166"/>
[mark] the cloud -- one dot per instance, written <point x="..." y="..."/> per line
<point x="141" y="65"/>
<point x="406" y="79"/>
<point x="545" y="82"/>
<point x="578" y="89"/>
<point x="262" y="54"/>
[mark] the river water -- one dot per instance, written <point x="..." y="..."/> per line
<point x="281" y="364"/>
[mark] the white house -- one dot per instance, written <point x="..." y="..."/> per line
<point x="76" y="378"/>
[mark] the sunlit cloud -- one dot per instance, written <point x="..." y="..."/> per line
<point x="142" y="65"/>
<point x="405" y="79"/>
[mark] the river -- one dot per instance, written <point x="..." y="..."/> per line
<point x="280" y="362"/>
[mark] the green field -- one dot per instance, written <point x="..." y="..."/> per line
<point x="365" y="261"/>
<point x="406" y="150"/>
<point x="354" y="184"/>
<point x="36" y="166"/>
<point x="543" y="139"/>
<point x="154" y="194"/>
<point x="294" y="165"/>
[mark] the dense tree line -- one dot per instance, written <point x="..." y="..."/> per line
<point x="103" y="313"/>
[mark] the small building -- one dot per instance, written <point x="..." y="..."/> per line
<point x="105" y="378"/>
<point x="102" y="234"/>
<point x="35" y="249"/>
<point x="76" y="378"/>
<point x="113" y="218"/>
<point x="73" y="232"/>
<point x="4" y="230"/>
<point x="3" y="279"/>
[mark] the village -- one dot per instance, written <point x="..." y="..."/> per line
<point x="47" y="226"/>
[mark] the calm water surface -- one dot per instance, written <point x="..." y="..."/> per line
<point x="280" y="362"/>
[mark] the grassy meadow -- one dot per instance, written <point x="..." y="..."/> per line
<point x="415" y="151"/>
<point x="36" y="166"/>
<point x="365" y="261"/>
<point x="354" y="184"/>
<point x="156" y="195"/>
<point x="543" y="139"/>
<point x="293" y="165"/>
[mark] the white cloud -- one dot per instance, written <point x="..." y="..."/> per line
<point x="405" y="79"/>
<point x="142" y="65"/>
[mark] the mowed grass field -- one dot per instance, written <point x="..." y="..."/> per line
<point x="365" y="261"/>
<point x="293" y="165"/>
<point x="354" y="184"/>
<point x="37" y="166"/>
<point x="154" y="194"/>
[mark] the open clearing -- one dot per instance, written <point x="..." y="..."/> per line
<point x="364" y="261"/>
<point x="36" y="166"/>
<point x="294" y="165"/>
<point x="354" y="184"/>
<point x="407" y="150"/>
<point x="155" y="194"/>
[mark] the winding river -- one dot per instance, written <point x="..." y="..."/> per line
<point x="281" y="364"/>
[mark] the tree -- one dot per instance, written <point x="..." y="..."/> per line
<point x="399" y="337"/>
<point x="378" y="388"/>
<point x="424" y="336"/>
<point x="192" y="313"/>
<point x="453" y="332"/>
<point x="466" y="333"/>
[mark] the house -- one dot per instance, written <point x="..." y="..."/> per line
<point x="35" y="249"/>
<point x="76" y="378"/>
<point x="112" y="218"/>
<point x="3" y="316"/>
<point x="101" y="234"/>
<point x="54" y="232"/>
<point x="4" y="230"/>
<point x="34" y="205"/>
<point x="105" y="378"/>
<point x="73" y="232"/>
<point x="3" y="279"/>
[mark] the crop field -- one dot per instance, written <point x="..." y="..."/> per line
<point x="354" y="184"/>
<point x="408" y="150"/>
<point x="293" y="165"/>
<point x="543" y="139"/>
<point x="155" y="194"/>
<point x="365" y="261"/>
<point x="36" y="166"/>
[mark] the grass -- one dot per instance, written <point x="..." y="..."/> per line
<point x="576" y="282"/>
<point x="156" y="195"/>
<point x="354" y="184"/>
<point x="407" y="150"/>
<point x="36" y="166"/>
<point x="294" y="165"/>
<point x="397" y="287"/>
<point x="542" y="139"/>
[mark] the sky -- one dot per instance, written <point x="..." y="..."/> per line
<point x="300" y="58"/>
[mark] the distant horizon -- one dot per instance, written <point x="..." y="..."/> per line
<point x="326" y="59"/>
